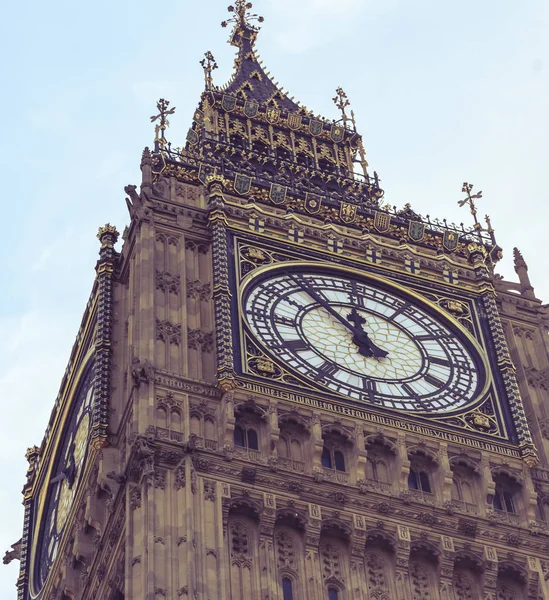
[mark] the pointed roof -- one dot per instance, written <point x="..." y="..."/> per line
<point x="250" y="80"/>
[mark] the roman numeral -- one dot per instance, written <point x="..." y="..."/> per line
<point x="369" y="387"/>
<point x="434" y="381"/>
<point x="296" y="345"/>
<point x="327" y="369"/>
<point x="439" y="361"/>
<point x="399" y="311"/>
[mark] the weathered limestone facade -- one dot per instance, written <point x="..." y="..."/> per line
<point x="206" y="477"/>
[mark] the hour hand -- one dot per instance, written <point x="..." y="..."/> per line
<point x="366" y="346"/>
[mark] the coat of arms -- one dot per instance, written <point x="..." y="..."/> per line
<point x="278" y="193"/>
<point x="416" y="230"/>
<point x="228" y="103"/>
<point x="273" y="114"/>
<point x="250" y="108"/>
<point x="347" y="212"/>
<point x="294" y="121"/>
<point x="312" y="203"/>
<point x="242" y="184"/>
<point x="316" y="126"/>
<point x="450" y="240"/>
<point x="382" y="220"/>
<point x="204" y="171"/>
<point x="192" y="137"/>
<point x="198" y="116"/>
<point x="337" y="133"/>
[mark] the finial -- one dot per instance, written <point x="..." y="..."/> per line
<point x="107" y="235"/>
<point x="519" y="259"/>
<point x="363" y="161"/>
<point x="470" y="201"/>
<point x="208" y="64"/>
<point x="242" y="16"/>
<point x="163" y="112"/>
<point x="342" y="101"/>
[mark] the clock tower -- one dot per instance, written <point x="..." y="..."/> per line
<point x="284" y="388"/>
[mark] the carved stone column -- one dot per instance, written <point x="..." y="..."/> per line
<point x="490" y="574"/>
<point x="267" y="559"/>
<point x="358" y="585"/>
<point x="403" y="588"/>
<point x="447" y="568"/>
<point x="313" y="569"/>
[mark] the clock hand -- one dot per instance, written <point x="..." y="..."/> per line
<point x="363" y="337"/>
<point x="360" y="338"/>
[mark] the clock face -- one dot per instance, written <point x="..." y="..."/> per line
<point x="364" y="340"/>
<point x="64" y="479"/>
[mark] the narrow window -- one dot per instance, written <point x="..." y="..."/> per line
<point x="239" y="436"/>
<point x="333" y="594"/>
<point x="413" y="483"/>
<point x="339" y="460"/>
<point x="424" y="481"/>
<point x="252" y="440"/>
<point x="498" y="504"/>
<point x="326" y="458"/>
<point x="287" y="589"/>
<point x="509" y="504"/>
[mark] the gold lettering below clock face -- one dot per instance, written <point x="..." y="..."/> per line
<point x="364" y="340"/>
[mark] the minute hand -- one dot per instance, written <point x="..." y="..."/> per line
<point x="316" y="296"/>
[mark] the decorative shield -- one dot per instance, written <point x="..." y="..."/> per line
<point x="347" y="212"/>
<point x="250" y="108"/>
<point x="450" y="240"/>
<point x="204" y="171"/>
<point x="278" y="193"/>
<point x="416" y="230"/>
<point x="382" y="220"/>
<point x="294" y="121"/>
<point x="312" y="203"/>
<point x="316" y="126"/>
<point x="192" y="137"/>
<point x="337" y="133"/>
<point x="228" y="103"/>
<point x="273" y="114"/>
<point x="198" y="116"/>
<point x="242" y="184"/>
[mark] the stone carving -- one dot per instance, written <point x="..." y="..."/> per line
<point x="419" y="575"/>
<point x="135" y="498"/>
<point x="331" y="561"/>
<point x="240" y="539"/>
<point x="285" y="550"/>
<point x="200" y="340"/>
<point x="166" y="282"/>
<point x="168" y="332"/>
<point x="198" y="290"/>
<point x="13" y="554"/>
<point x="209" y="490"/>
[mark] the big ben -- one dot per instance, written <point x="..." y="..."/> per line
<point x="284" y="388"/>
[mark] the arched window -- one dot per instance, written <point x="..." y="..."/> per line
<point x="419" y="480"/>
<point x="503" y="500"/>
<point x="246" y="438"/>
<point x="333" y="459"/>
<point x="333" y="593"/>
<point x="287" y="589"/>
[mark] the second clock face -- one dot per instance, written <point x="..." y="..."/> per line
<point x="358" y="339"/>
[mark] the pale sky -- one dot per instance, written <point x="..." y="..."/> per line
<point x="443" y="93"/>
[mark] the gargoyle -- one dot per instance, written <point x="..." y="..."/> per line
<point x="14" y="553"/>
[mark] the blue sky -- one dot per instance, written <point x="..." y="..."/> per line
<point x="443" y="93"/>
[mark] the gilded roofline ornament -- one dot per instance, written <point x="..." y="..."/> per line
<point x="242" y="17"/>
<point x="160" y="128"/>
<point x="208" y="64"/>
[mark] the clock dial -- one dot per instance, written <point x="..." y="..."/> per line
<point x="63" y="484"/>
<point x="364" y="340"/>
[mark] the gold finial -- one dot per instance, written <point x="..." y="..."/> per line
<point x="107" y="235"/>
<point x="208" y="64"/>
<point x="242" y="16"/>
<point x="470" y="201"/>
<point x="363" y="161"/>
<point x="342" y="101"/>
<point x="163" y="112"/>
